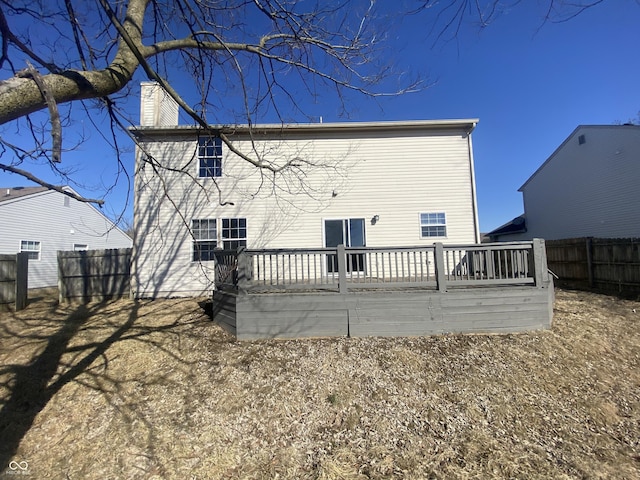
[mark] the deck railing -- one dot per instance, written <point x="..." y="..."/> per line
<point x="490" y="264"/>
<point x="343" y="269"/>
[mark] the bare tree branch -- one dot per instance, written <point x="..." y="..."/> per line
<point x="21" y="96"/>
<point x="33" y="178"/>
<point x="56" y="128"/>
<point x="72" y="85"/>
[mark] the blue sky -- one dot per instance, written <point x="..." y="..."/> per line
<point x="530" y="86"/>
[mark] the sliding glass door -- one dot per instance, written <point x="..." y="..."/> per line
<point x="350" y="233"/>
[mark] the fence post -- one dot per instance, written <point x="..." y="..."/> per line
<point x="243" y="270"/>
<point x="61" y="281"/>
<point x="22" y="280"/>
<point x="342" y="269"/>
<point x="589" y="245"/>
<point x="540" y="263"/>
<point x="438" y="257"/>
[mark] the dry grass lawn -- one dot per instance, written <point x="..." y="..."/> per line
<point x="155" y="390"/>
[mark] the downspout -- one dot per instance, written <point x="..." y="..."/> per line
<point x="474" y="202"/>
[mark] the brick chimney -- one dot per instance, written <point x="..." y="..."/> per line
<point x="157" y="108"/>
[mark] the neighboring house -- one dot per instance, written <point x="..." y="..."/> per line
<point x="588" y="187"/>
<point x="375" y="184"/>
<point x="41" y="222"/>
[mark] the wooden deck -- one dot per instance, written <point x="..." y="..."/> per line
<point x="383" y="291"/>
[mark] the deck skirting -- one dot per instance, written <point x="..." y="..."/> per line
<point x="380" y="313"/>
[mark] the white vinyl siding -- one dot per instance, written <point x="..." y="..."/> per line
<point x="430" y="172"/>
<point x="588" y="189"/>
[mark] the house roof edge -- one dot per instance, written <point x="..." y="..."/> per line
<point x="465" y="124"/>
<point x="513" y="226"/>
<point x="10" y="194"/>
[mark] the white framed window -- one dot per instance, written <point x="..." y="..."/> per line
<point x="79" y="247"/>
<point x="433" y="225"/>
<point x="234" y="233"/>
<point x="209" y="157"/>
<point x="32" y="248"/>
<point x="205" y="239"/>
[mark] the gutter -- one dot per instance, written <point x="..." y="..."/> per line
<point x="405" y="125"/>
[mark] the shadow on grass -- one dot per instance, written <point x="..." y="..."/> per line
<point x="31" y="384"/>
<point x="207" y="308"/>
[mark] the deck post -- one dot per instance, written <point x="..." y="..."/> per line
<point x="540" y="263"/>
<point x="342" y="269"/>
<point x="243" y="270"/>
<point x="440" y="274"/>
<point x="216" y="271"/>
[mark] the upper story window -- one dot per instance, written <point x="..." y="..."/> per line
<point x="433" y="225"/>
<point x="32" y="248"/>
<point x="205" y="239"/>
<point x="210" y="157"/>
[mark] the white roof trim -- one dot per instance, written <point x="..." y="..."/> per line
<point x="464" y="124"/>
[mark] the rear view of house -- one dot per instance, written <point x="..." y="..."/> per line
<point x="317" y="185"/>
<point x="41" y="222"/>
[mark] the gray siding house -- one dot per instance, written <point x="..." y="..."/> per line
<point x="371" y="184"/>
<point x="41" y="222"/>
<point x="588" y="187"/>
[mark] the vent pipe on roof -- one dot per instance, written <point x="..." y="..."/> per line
<point x="8" y="192"/>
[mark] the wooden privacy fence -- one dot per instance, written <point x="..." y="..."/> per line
<point x="343" y="269"/>
<point x="13" y="280"/>
<point x="94" y="274"/>
<point x="606" y="264"/>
